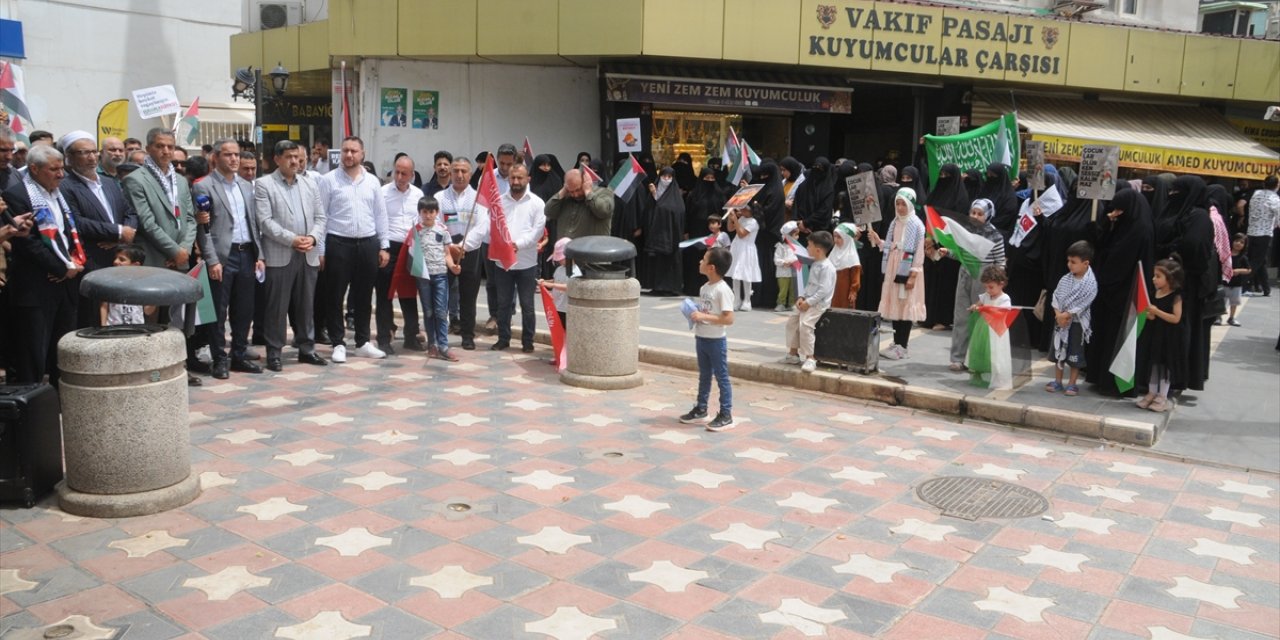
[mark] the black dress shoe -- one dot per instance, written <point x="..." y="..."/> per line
<point x="500" y="346"/>
<point x="322" y="336"/>
<point x="468" y="345"/>
<point x="245" y="366"/>
<point x="274" y="364"/>
<point x="312" y="358"/>
<point x="386" y="348"/>
<point x="219" y="370"/>
<point x="414" y="345"/>
<point x="197" y="366"/>
<point x="193" y="381"/>
<point x="528" y="348"/>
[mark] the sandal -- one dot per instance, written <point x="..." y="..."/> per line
<point x="1072" y="390"/>
<point x="1053" y="387"/>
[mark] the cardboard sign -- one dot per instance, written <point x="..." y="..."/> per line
<point x="1098" y="165"/>
<point x="629" y="140"/>
<point x="154" y="102"/>
<point x="1035" y="165"/>
<point x="743" y="197"/>
<point x="947" y="126"/>
<point x="864" y="199"/>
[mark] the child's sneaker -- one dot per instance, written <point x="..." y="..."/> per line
<point x="746" y="306"/>
<point x="696" y="415"/>
<point x="723" y="422"/>
<point x="780" y="308"/>
<point x="1160" y="404"/>
<point x="956" y="366"/>
<point x="1233" y="322"/>
<point x="810" y="365"/>
<point x="791" y="359"/>
<point x="894" y="352"/>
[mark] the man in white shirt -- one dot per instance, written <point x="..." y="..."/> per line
<point x="319" y="161"/>
<point x="525" y="224"/>
<point x="355" y="247"/>
<point x="401" y="199"/>
<point x="457" y="206"/>
<point x="1264" y="214"/>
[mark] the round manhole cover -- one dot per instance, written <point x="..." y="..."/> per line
<point x="973" y="498"/>
<point x="59" y="631"/>
<point x="459" y="507"/>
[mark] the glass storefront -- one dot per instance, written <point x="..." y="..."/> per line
<point x="702" y="135"/>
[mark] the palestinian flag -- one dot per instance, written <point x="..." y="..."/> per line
<point x="558" y="342"/>
<point x="990" y="358"/>
<point x="591" y="175"/>
<point x="1125" y="363"/>
<point x="626" y="180"/>
<point x="192" y="119"/>
<point x="205" y="311"/>
<point x="797" y="266"/>
<point x="752" y="157"/>
<point x="11" y="94"/>
<point x="528" y="154"/>
<point x="731" y="150"/>
<point x="741" y="166"/>
<point x="966" y="246"/>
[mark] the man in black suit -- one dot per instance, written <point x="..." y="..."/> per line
<point x="104" y="216"/>
<point x="44" y="270"/>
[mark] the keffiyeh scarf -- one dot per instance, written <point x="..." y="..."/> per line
<point x="1075" y="296"/>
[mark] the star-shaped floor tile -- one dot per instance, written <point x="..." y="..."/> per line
<point x="242" y="436"/>
<point x="1073" y="520"/>
<point x="295" y="376"/>
<point x="225" y="387"/>
<point x="328" y="419"/>
<point x="535" y="436"/>
<point x="518" y="380"/>
<point x="84" y="629"/>
<point x="703" y="478"/>
<point x="1020" y="449"/>
<point x="851" y="418"/>
<point x="997" y="471"/>
<point x="1235" y="553"/>
<point x="148" y="543"/>
<point x="1224" y="597"/>
<point x="463" y="419"/>
<point x="401" y="404"/>
<point x="652" y="405"/>
<point x="809" y="435"/>
<point x="353" y="541"/>
<point x="528" y="404"/>
<point x="921" y="529"/>
<point x="894" y="451"/>
<point x="1131" y="469"/>
<point x="1239" y="517"/>
<point x="675" y="437"/>
<point x="878" y="571"/>
<point x="375" y="480"/>
<point x="1025" y="608"/>
<point x="570" y="623"/>
<point x="273" y="402"/>
<point x="1165" y="633"/>
<point x="596" y="420"/>
<point x="936" y="434"/>
<point x="213" y="479"/>
<point x="198" y="417"/>
<point x="542" y="479"/>
<point x="772" y="405"/>
<point x="271" y="508"/>
<point x="1119" y="495"/>
<point x="467" y="366"/>
<point x="805" y="502"/>
<point x="746" y="535"/>
<point x="11" y="582"/>
<point x="668" y="577"/>
<point x="389" y="437"/>
<point x="346" y="389"/>
<point x="1255" y="490"/>
<point x="1060" y="560"/>
<point x="461" y="457"/>
<point x="554" y="540"/>
<point x="451" y="581"/>
<point x="586" y="393"/>
<point x="860" y="476"/>
<point x="803" y="617"/>
<point x="763" y="455"/>
<point x="466" y="390"/>
<point x="412" y="376"/>
<point x="329" y="625"/>
<point x="636" y="506"/>
<point x="226" y="583"/>
<point x="360" y="365"/>
<point x="304" y="457"/>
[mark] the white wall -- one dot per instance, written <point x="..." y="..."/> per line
<point x="82" y="54"/>
<point x="481" y="107"/>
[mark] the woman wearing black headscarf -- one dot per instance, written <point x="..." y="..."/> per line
<point x="584" y="158"/>
<point x="683" y="169"/>
<point x="792" y="178"/>
<point x="544" y="182"/>
<point x="869" y="253"/>
<point x="662" y="234"/>
<point x="705" y="200"/>
<point x="630" y="216"/>
<point x="951" y="200"/>
<point x="816" y="198"/>
<point x="1127" y="240"/>
<point x="1192" y="241"/>
<point x="997" y="188"/>
<point x="910" y="178"/>
<point x="973" y="183"/>
<point x="764" y="294"/>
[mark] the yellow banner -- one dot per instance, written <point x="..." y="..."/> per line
<point x="1262" y="131"/>
<point x="1159" y="159"/>
<point x="113" y="120"/>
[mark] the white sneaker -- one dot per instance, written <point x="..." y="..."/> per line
<point x="780" y="308"/>
<point x="894" y="352"/>
<point x="746" y="306"/>
<point x="339" y="354"/>
<point x="809" y="366"/>
<point x="367" y="350"/>
<point x="790" y="359"/>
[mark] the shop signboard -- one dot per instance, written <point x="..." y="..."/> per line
<point x="1158" y="159"/>
<point x="1035" y="165"/>
<point x="299" y="110"/>
<point x="716" y="93"/>
<point x="864" y="200"/>
<point x="1098" y="166"/>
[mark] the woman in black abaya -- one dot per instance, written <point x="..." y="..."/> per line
<point x="816" y="198"/>
<point x="764" y="294"/>
<point x="545" y="182"/>
<point x="997" y="188"/>
<point x="1192" y="240"/>
<point x="706" y="199"/>
<point x="868" y="253"/>
<point x="662" y="233"/>
<point x="1127" y="239"/>
<point x="951" y="200"/>
<point x="684" y="176"/>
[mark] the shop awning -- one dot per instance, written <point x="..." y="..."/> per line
<point x="1176" y="139"/>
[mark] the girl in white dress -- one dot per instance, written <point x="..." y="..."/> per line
<point x="745" y="270"/>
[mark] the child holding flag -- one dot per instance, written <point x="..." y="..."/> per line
<point x="715" y="312"/>
<point x="1164" y="338"/>
<point x="746" y="265"/>
<point x="810" y="306"/>
<point x="430" y="264"/>
<point x="976" y="248"/>
<point x="902" y="295"/>
<point x="990" y="358"/>
<point x="784" y="258"/>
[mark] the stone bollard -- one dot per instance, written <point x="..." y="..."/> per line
<point x="603" y="336"/>
<point x="125" y="427"/>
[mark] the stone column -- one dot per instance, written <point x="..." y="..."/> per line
<point x="604" y="334"/>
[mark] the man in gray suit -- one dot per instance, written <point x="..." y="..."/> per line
<point x="229" y="244"/>
<point x="291" y="219"/>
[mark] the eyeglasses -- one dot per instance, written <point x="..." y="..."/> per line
<point x="84" y="152"/>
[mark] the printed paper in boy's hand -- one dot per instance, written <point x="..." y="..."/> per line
<point x="687" y="308"/>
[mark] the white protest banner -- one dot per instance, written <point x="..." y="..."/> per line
<point x="947" y="126"/>
<point x="629" y="135"/>
<point x="1098" y="165"/>
<point x="154" y="102"/>
<point x="1035" y="165"/>
<point x="864" y="200"/>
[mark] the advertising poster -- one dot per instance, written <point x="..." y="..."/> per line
<point x="1098" y="165"/>
<point x="864" y="199"/>
<point x="393" y="110"/>
<point x="1035" y="165"/>
<point x="426" y="109"/>
<point x="629" y="135"/>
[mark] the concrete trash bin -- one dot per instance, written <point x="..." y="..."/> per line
<point x="126" y="434"/>
<point x="603" y="333"/>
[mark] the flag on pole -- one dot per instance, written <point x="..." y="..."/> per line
<point x="12" y="97"/>
<point x="1002" y="153"/>
<point x="990" y="358"/>
<point x="1124" y="365"/>
<point x="205" y="312"/>
<point x="741" y="167"/>
<point x="558" y="342"/>
<point x="591" y="175"/>
<point x="626" y="180"/>
<point x="730" y="150"/>
<point x="966" y="246"/>
<point x="528" y="154"/>
<point x="797" y="267"/>
<point x="751" y="154"/>
<point x="346" y="105"/>
<point x="501" y="248"/>
<point x="192" y="119"/>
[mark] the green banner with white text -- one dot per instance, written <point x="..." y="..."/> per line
<point x="996" y="141"/>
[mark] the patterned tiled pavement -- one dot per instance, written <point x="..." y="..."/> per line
<point x="332" y="509"/>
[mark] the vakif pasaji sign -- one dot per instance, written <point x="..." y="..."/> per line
<point x="933" y="40"/>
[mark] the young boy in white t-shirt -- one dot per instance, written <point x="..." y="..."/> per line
<point x="715" y="312"/>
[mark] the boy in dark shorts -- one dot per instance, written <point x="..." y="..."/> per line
<point x="1072" y="299"/>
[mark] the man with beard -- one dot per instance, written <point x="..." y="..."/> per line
<point x="110" y="157"/>
<point x="580" y="209"/>
<point x="440" y="181"/>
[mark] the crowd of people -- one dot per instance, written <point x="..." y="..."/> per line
<point x="325" y="250"/>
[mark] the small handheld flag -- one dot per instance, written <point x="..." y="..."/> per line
<point x="501" y="247"/>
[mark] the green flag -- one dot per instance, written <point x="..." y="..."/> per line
<point x="996" y="141"/>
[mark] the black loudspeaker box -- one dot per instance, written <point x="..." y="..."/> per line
<point x="848" y="338"/>
<point x="30" y="443"/>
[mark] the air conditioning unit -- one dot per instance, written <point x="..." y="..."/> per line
<point x="273" y="15"/>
